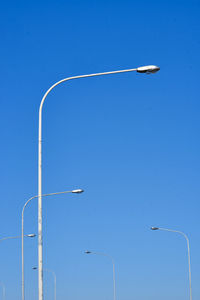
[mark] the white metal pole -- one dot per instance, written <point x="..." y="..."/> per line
<point x="23" y="245"/>
<point x="145" y="69"/>
<point x="50" y="194"/>
<point x="114" y="282"/>
<point x="188" y="248"/>
<point x="40" y="261"/>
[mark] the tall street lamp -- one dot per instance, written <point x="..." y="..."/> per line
<point x="145" y="69"/>
<point x="113" y="263"/>
<point x="54" y="278"/>
<point x="77" y="191"/>
<point x="188" y="250"/>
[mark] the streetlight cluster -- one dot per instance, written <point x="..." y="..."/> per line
<point x="150" y="69"/>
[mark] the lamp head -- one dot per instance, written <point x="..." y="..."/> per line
<point x="154" y="228"/>
<point x="31" y="235"/>
<point x="148" y="69"/>
<point x="87" y="252"/>
<point x="78" y="191"/>
<point x="34" y="268"/>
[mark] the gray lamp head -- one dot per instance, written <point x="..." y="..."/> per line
<point x="78" y="191"/>
<point x="154" y="228"/>
<point x="31" y="235"/>
<point x="87" y="252"/>
<point x="148" y="69"/>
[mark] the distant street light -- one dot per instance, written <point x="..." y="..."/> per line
<point x="144" y="69"/>
<point x="3" y="290"/>
<point x="77" y="191"/>
<point x="54" y="277"/>
<point x="113" y="263"/>
<point x="31" y="235"/>
<point x="188" y="248"/>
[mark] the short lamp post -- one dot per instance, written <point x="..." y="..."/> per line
<point x="76" y="191"/>
<point x="31" y="235"/>
<point x="188" y="250"/>
<point x="113" y="263"/>
<point x="54" y="278"/>
<point x="3" y="290"/>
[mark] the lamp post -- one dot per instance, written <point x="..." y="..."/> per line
<point x="3" y="290"/>
<point x="113" y="263"/>
<point x="31" y="235"/>
<point x="77" y="191"/>
<point x="188" y="250"/>
<point x="54" y="278"/>
<point x="144" y="69"/>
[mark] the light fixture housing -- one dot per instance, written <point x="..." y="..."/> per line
<point x="154" y="228"/>
<point x="31" y="235"/>
<point x="148" y="69"/>
<point x="78" y="191"/>
<point x="87" y="252"/>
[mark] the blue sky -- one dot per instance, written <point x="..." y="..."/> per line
<point x="131" y="141"/>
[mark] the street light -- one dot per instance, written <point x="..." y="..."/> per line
<point x="3" y="290"/>
<point x="113" y="263"/>
<point x="31" y="235"/>
<point x="144" y="69"/>
<point x="54" y="277"/>
<point x="188" y="248"/>
<point x="77" y="191"/>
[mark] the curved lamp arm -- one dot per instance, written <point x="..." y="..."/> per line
<point x="16" y="237"/>
<point x="103" y="254"/>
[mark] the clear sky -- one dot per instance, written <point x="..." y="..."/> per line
<point x="131" y="141"/>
